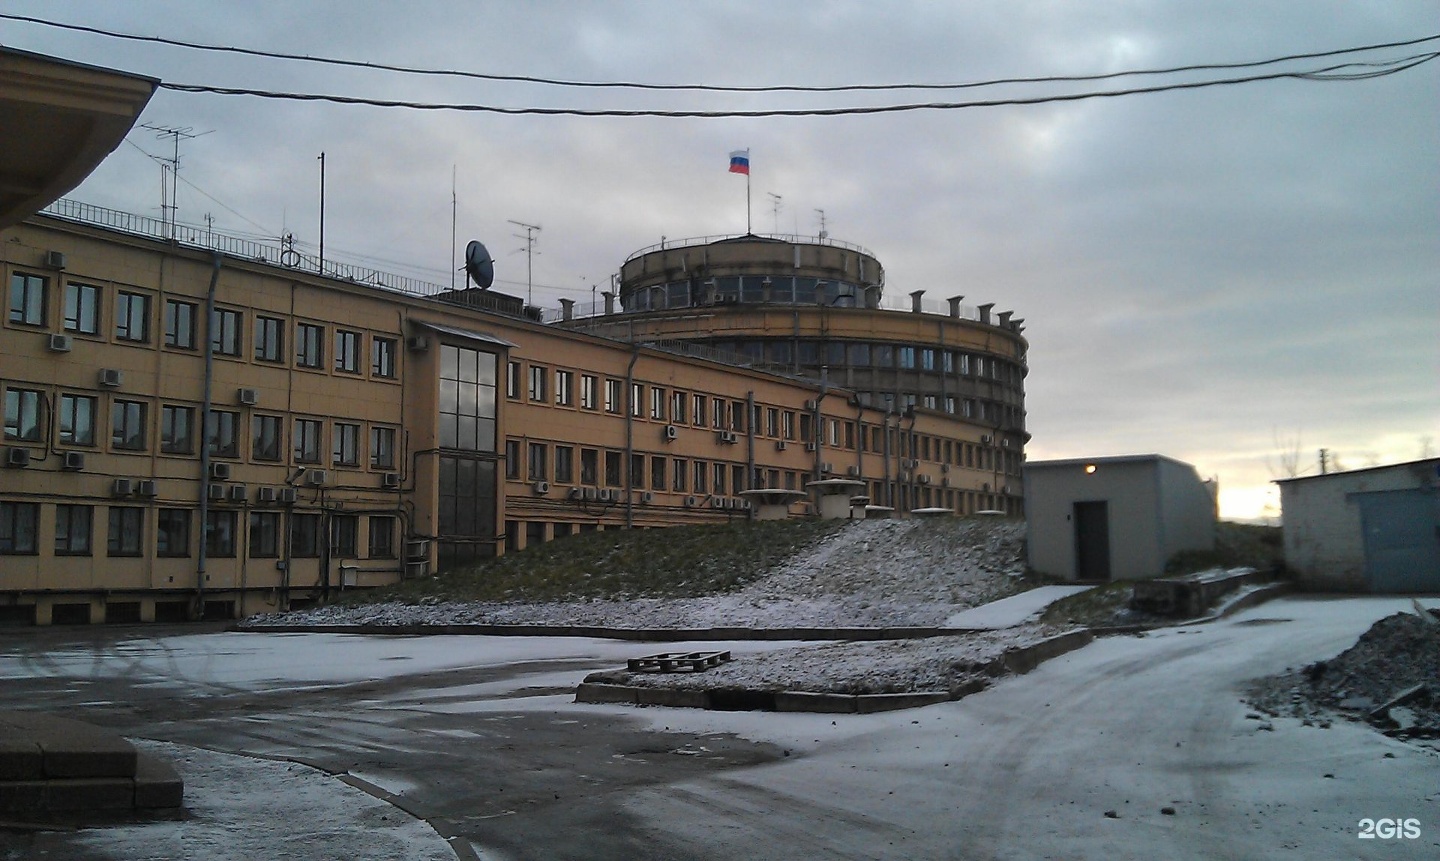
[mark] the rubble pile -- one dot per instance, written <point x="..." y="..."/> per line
<point x="1390" y="678"/>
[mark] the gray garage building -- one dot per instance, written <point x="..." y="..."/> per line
<point x="1365" y="530"/>
<point x="1114" y="518"/>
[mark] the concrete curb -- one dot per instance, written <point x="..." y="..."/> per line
<point x="658" y="635"/>
<point x="1242" y="602"/>
<point x="1014" y="661"/>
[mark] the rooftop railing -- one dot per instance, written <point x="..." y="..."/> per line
<point x="690" y="242"/>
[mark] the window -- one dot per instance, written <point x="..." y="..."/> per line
<point x="807" y="431"/>
<point x="512" y="459"/>
<point x="304" y="535"/>
<point x="702" y="477"/>
<point x="127" y="425"/>
<point x="264" y="534"/>
<point x="717" y="414"/>
<point x="883" y="355"/>
<point x="537" y="382"/>
<point x="77" y="420"/>
<point x="737" y="478"/>
<point x="132" y="317"/>
<point x="927" y="359"/>
<point x="657" y="473"/>
<point x="657" y="403"/>
<point x="677" y="407"/>
<point x="589" y="466"/>
<point x="265" y="434"/>
<point x="697" y="415"/>
<point x="512" y="379"/>
<point x="637" y="399"/>
<point x="82" y="309"/>
<point x="269" y="339"/>
<point x="787" y="424"/>
<point x="220" y="534"/>
<point x="906" y="356"/>
<point x="126" y="533"/>
<point x="347" y="351"/>
<point x="309" y="345"/>
<point x="225" y="332"/>
<point x="172" y="532"/>
<point x="737" y="415"/>
<point x="467" y="399"/>
<point x="179" y="322"/>
<point x="345" y="450"/>
<point x="382" y="448"/>
<point x="772" y="421"/>
<point x="679" y="476"/>
<point x="612" y="469"/>
<point x="929" y="402"/>
<point x="176" y="429"/>
<point x="964" y="362"/>
<point x="344" y="535"/>
<point x="612" y="396"/>
<point x="587" y="391"/>
<point x="306" y="440"/>
<point x="536" y="461"/>
<point x="22" y="415"/>
<point x="832" y="432"/>
<point x="637" y="470"/>
<point x="719" y="483"/>
<point x="382" y="357"/>
<point x="564" y="464"/>
<point x="222" y="433"/>
<point x="19" y="522"/>
<point x="382" y="537"/>
<point x="72" y="530"/>
<point x="565" y="388"/>
<point x="27" y="299"/>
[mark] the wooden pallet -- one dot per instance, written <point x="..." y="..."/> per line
<point x="677" y="662"/>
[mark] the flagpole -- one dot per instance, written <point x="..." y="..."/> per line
<point x="747" y="198"/>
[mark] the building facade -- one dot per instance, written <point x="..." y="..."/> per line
<point x="191" y="430"/>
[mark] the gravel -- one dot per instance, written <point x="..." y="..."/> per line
<point x="1396" y="655"/>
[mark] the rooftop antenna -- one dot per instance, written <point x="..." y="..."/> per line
<point x="775" y="208"/>
<point x="823" y="233"/>
<point x="175" y="133"/>
<point x="529" y="249"/>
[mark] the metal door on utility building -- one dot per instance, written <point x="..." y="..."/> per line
<point x="1402" y="539"/>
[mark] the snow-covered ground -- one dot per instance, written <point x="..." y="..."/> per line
<point x="873" y="573"/>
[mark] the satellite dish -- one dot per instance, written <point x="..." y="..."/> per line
<point x="478" y="265"/>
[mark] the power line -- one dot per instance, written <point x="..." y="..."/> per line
<point x="1327" y="73"/>
<point x="558" y="82"/>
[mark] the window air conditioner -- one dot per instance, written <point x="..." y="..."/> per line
<point x="55" y="259"/>
<point x="811" y="446"/>
<point x="237" y="493"/>
<point x="146" y="488"/>
<point x="248" y="397"/>
<point x="265" y="495"/>
<point x="59" y="343"/>
<point x="390" y="480"/>
<point x="541" y="488"/>
<point x="111" y="377"/>
<point x="671" y="432"/>
<point x="122" y="487"/>
<point x="215" y="491"/>
<point x="852" y="471"/>
<point x="286" y="495"/>
<point x="220" y="471"/>
<point x="17" y="457"/>
<point x="575" y="493"/>
<point x="316" y="477"/>
<point x="73" y="460"/>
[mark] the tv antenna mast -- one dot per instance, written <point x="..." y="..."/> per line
<point x="823" y="233"/>
<point x="775" y="208"/>
<point x="529" y="249"/>
<point x="175" y="133"/>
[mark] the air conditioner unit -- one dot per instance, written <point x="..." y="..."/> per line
<point x="316" y="477"/>
<point x="59" y="343"/>
<point x="945" y="481"/>
<point x="985" y="439"/>
<point x="1004" y="443"/>
<point x="220" y="471"/>
<point x="647" y="497"/>
<point x="779" y="445"/>
<point x="944" y="467"/>
<point x="122" y="487"/>
<point x="215" y="491"/>
<point x="111" y="377"/>
<point x="541" y="488"/>
<point x="237" y="493"/>
<point x="671" y="432"/>
<point x="915" y="463"/>
<point x="924" y="479"/>
<point x="811" y="405"/>
<point x="717" y="502"/>
<point x="55" y="259"/>
<point x="692" y="502"/>
<point x="812" y="446"/>
<point x="73" y="460"/>
<point x="390" y="480"/>
<point x="727" y="437"/>
<point x="147" y="488"/>
<point x="852" y="471"/>
<point x="418" y="343"/>
<point x="742" y="504"/>
<point x="286" y="495"/>
<point x="248" y="397"/>
<point x="592" y="494"/>
<point x="265" y="495"/>
<point x="827" y="468"/>
<point x="17" y="457"/>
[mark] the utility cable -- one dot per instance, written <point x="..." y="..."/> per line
<point x="528" y="79"/>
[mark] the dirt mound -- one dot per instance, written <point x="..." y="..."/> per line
<point x="1399" y="657"/>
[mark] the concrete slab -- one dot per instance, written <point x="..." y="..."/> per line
<point x="20" y="758"/>
<point x="157" y="784"/>
<point x="70" y="748"/>
<point x="1012" y="611"/>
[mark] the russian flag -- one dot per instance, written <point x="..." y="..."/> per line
<point x="740" y="161"/>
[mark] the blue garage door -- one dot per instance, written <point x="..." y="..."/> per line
<point x="1402" y="540"/>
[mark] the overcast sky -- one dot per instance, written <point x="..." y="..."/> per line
<point x="1226" y="276"/>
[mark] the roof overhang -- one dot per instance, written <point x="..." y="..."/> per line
<point x="61" y="119"/>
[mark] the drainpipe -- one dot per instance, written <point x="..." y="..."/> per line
<point x="630" y="408"/>
<point x="815" y="427"/>
<point x="750" y="439"/>
<point x="198" y="610"/>
<point x="885" y="453"/>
